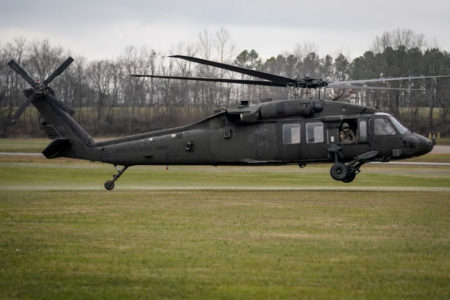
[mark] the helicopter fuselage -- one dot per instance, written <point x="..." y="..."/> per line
<point x="298" y="131"/>
<point x="278" y="132"/>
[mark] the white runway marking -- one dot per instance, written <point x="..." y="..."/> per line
<point x="20" y="154"/>
<point x="412" y="163"/>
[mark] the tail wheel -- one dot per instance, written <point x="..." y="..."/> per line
<point x="350" y="177"/>
<point x="339" y="171"/>
<point x="109" y="185"/>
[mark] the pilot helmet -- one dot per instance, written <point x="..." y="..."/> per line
<point x="345" y="126"/>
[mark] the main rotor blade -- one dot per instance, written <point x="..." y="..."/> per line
<point x="384" y="79"/>
<point x="361" y="87"/>
<point x="59" y="70"/>
<point x="238" y="81"/>
<point x="21" y="109"/>
<point x="282" y="81"/>
<point x="15" y="66"/>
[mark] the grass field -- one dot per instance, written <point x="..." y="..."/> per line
<point x="224" y="244"/>
<point x="225" y="232"/>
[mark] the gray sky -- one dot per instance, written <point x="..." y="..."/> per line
<point x="102" y="29"/>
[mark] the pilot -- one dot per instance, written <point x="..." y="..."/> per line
<point x="347" y="135"/>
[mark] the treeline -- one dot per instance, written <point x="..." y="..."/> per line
<point x="108" y="102"/>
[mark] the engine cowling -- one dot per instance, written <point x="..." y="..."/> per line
<point x="278" y="109"/>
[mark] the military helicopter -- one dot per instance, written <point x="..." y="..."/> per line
<point x="293" y="131"/>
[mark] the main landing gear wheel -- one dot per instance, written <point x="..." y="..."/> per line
<point x="350" y="177"/>
<point x="339" y="171"/>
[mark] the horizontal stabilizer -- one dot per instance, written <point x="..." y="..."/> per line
<point x="57" y="148"/>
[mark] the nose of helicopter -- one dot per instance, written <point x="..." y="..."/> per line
<point x="425" y="145"/>
<point x="416" y="145"/>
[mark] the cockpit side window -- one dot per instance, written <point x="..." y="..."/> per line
<point x="383" y="127"/>
<point x="402" y="129"/>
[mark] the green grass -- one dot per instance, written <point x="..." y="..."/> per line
<point x="63" y="236"/>
<point x="438" y="158"/>
<point x="27" y="145"/>
<point x="40" y="173"/>
<point x="443" y="141"/>
<point x="223" y="244"/>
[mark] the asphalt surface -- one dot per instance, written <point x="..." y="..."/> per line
<point x="441" y="150"/>
<point x="21" y="154"/>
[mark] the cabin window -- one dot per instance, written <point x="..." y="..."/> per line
<point x="383" y="127"/>
<point x="347" y="132"/>
<point x="291" y="134"/>
<point x="314" y="132"/>
<point x="362" y="131"/>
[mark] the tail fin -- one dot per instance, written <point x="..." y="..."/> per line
<point x="69" y="138"/>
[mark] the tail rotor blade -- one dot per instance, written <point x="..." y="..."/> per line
<point x="59" y="70"/>
<point x="15" y="66"/>
<point x="21" y="109"/>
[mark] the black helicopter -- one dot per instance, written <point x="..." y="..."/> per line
<point x="293" y="131"/>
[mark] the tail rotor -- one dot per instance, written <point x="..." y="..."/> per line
<point x="38" y="89"/>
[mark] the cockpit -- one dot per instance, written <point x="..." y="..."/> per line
<point x="386" y="124"/>
<point x="387" y="130"/>
<point x="400" y="128"/>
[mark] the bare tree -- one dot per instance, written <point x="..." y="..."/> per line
<point x="11" y="84"/>
<point x="108" y="101"/>
<point x="399" y="37"/>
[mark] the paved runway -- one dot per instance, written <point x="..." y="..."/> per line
<point x="21" y="154"/>
<point x="441" y="150"/>
<point x="412" y="163"/>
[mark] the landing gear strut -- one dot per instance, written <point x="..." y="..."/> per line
<point x="347" y="172"/>
<point x="109" y="184"/>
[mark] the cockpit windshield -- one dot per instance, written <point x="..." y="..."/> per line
<point x="402" y="129"/>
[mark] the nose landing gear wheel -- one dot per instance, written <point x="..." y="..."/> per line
<point x="339" y="171"/>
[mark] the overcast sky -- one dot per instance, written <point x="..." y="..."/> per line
<point x="102" y="29"/>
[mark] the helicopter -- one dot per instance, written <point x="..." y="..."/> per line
<point x="291" y="131"/>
